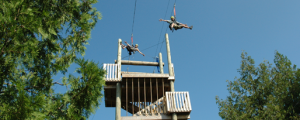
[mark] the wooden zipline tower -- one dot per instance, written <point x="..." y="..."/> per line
<point x="147" y="96"/>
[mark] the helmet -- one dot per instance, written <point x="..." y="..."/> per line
<point x="136" y="45"/>
<point x="172" y="17"/>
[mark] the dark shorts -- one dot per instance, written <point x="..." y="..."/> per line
<point x="177" y="26"/>
<point x="130" y="49"/>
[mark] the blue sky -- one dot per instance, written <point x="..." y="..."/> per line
<point x="205" y="57"/>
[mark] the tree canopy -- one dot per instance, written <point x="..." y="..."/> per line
<point x="264" y="92"/>
<point x="40" y="39"/>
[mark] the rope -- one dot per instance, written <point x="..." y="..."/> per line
<point x="174" y="10"/>
<point x="133" y="23"/>
<point x="153" y="46"/>
<point x="162" y="27"/>
<point x="125" y="57"/>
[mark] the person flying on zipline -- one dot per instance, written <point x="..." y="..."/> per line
<point x="175" y="24"/>
<point x="131" y="48"/>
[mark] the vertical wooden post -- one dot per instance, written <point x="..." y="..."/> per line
<point x="170" y="63"/>
<point x="151" y="95"/>
<point x="157" y="109"/>
<point x="151" y="90"/>
<point x="132" y="97"/>
<point x="118" y="84"/>
<point x="156" y="89"/>
<point x="145" y="94"/>
<point x="163" y="88"/>
<point x="162" y="72"/>
<point x="161" y="64"/>
<point x="174" y="116"/>
<point x="139" y="93"/>
<point x="126" y="97"/>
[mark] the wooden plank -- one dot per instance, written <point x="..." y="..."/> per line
<point x="163" y="87"/>
<point x="161" y="117"/>
<point x="151" y="90"/>
<point x="126" y="98"/>
<point x="157" y="91"/>
<point x="161" y="64"/>
<point x="151" y="96"/>
<point x="139" y="93"/>
<point x="143" y="63"/>
<point x="144" y="75"/>
<point x="132" y="94"/>
<point x="145" y="93"/>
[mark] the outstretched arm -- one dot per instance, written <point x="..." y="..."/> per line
<point x="163" y="20"/>
<point x="140" y="52"/>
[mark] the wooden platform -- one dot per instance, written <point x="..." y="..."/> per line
<point x="140" y="91"/>
<point x="160" y="117"/>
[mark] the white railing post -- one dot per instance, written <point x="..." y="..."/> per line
<point x="189" y="102"/>
<point x="104" y="68"/>
<point x="111" y="72"/>
<point x="184" y="102"/>
<point x="119" y="77"/>
<point x="115" y="72"/>
<point x="178" y="102"/>
<point x="167" y="96"/>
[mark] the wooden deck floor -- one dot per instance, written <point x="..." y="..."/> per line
<point x="160" y="117"/>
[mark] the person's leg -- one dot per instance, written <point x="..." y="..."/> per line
<point x="186" y="26"/>
<point x="172" y="26"/>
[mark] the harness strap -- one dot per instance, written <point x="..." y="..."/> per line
<point x="131" y="39"/>
<point x="174" y="12"/>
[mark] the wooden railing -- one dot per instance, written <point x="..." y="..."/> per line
<point x="156" y="108"/>
<point x="111" y="72"/>
<point x="178" y="102"/>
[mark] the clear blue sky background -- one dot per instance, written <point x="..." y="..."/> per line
<point x="205" y="57"/>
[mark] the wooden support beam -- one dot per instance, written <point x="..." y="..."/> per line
<point x="143" y="63"/>
<point x="145" y="93"/>
<point x="156" y="90"/>
<point x="161" y="64"/>
<point x="132" y="96"/>
<point x="151" y="89"/>
<point x="118" y="101"/>
<point x="118" y="85"/>
<point x="139" y="93"/>
<point x="126" y="97"/>
<point x="163" y="88"/>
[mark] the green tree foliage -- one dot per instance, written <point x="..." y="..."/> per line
<point x="40" y="38"/>
<point x="263" y="92"/>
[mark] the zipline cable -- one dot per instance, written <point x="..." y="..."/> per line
<point x="162" y="27"/>
<point x="133" y="22"/>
